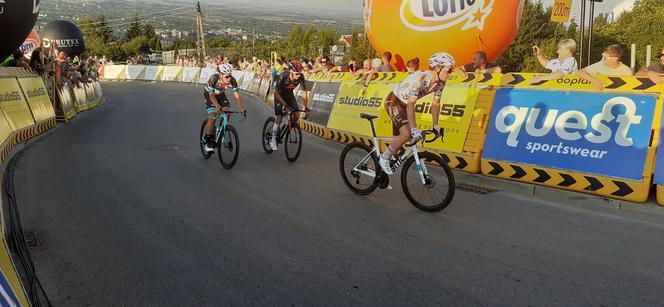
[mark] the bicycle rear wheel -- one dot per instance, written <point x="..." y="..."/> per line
<point x="229" y="148"/>
<point x="293" y="143"/>
<point x="438" y="190"/>
<point x="267" y="135"/>
<point x="352" y="170"/>
<point x="206" y="155"/>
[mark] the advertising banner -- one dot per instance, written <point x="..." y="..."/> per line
<point x="205" y="75"/>
<point x="190" y="74"/>
<point x="79" y="94"/>
<point x="255" y="85"/>
<point x="606" y="134"/>
<point x="38" y="100"/>
<point x="114" y="72"/>
<point x="135" y="72"/>
<point x="153" y="73"/>
<point x="351" y="102"/>
<point x="97" y="87"/>
<point x="456" y="113"/>
<point x="66" y="100"/>
<point x="171" y="73"/>
<point x="321" y="101"/>
<point x="659" y="162"/>
<point x="238" y="74"/>
<point x="246" y="82"/>
<point x="13" y="104"/>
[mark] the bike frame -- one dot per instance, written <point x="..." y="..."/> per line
<point x="220" y="123"/>
<point x="421" y="168"/>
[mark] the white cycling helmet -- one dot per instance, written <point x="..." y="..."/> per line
<point x="225" y="69"/>
<point x="441" y="58"/>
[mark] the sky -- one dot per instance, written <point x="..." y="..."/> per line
<point x="356" y="5"/>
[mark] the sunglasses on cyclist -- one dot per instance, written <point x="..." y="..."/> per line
<point x="226" y="76"/>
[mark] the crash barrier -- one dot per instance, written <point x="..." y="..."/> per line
<point x="565" y="134"/>
<point x="26" y="110"/>
<point x="560" y="133"/>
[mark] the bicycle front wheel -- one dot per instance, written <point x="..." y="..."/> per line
<point x="293" y="143"/>
<point x="359" y="168"/>
<point x="267" y="135"/>
<point x="437" y="190"/>
<point x="229" y="148"/>
<point x="206" y="155"/>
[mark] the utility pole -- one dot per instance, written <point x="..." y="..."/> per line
<point x="200" y="35"/>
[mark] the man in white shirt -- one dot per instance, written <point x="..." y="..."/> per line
<point x="609" y="66"/>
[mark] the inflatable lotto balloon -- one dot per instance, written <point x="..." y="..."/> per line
<point x="419" y="28"/>
<point x="66" y="35"/>
<point x="31" y="43"/>
<point x="16" y="19"/>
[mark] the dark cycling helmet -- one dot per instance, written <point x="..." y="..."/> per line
<point x="295" y="66"/>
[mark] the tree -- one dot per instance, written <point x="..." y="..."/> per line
<point x="535" y="29"/>
<point x="135" y="29"/>
<point x="149" y="32"/>
<point x="102" y="30"/>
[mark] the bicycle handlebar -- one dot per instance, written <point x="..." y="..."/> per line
<point x="425" y="133"/>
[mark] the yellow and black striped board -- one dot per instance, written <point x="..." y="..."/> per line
<point x="575" y="83"/>
<point x="347" y="138"/>
<point x="590" y="184"/>
<point x="315" y="129"/>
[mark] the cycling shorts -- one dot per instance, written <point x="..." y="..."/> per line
<point x="396" y="109"/>
<point x="291" y="102"/>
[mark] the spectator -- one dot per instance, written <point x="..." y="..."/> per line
<point x="318" y="63"/>
<point x="480" y="65"/>
<point x="655" y="71"/>
<point x="609" y="66"/>
<point x="17" y="60"/>
<point x="413" y="64"/>
<point x="564" y="65"/>
<point x="37" y="62"/>
<point x="327" y="64"/>
<point x="385" y="63"/>
<point x="350" y="67"/>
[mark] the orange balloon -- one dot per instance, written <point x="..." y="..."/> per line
<point x="31" y="43"/>
<point x="420" y="28"/>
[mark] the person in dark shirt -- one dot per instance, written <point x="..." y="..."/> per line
<point x="480" y="65"/>
<point x="284" y="98"/>
<point x="655" y="71"/>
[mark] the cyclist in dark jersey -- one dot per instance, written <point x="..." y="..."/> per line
<point x="284" y="96"/>
<point x="216" y="101"/>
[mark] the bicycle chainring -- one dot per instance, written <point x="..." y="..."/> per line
<point x="383" y="180"/>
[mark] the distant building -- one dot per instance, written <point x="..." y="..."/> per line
<point x="346" y="40"/>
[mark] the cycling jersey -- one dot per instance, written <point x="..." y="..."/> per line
<point x="418" y="85"/>
<point x="285" y="87"/>
<point x="214" y="85"/>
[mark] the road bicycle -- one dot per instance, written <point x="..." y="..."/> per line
<point x="289" y="133"/>
<point x="226" y="141"/>
<point x="426" y="179"/>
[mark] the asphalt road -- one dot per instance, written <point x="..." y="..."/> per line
<point x="130" y="214"/>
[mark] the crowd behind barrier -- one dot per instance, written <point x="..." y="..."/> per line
<point x="562" y="133"/>
<point x="31" y="104"/>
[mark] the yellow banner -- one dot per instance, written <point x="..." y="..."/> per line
<point x="13" y="104"/>
<point x="456" y="113"/>
<point x="40" y="104"/>
<point x="351" y="102"/>
<point x="457" y="105"/>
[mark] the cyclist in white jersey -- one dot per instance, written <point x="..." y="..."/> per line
<point x="400" y="103"/>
